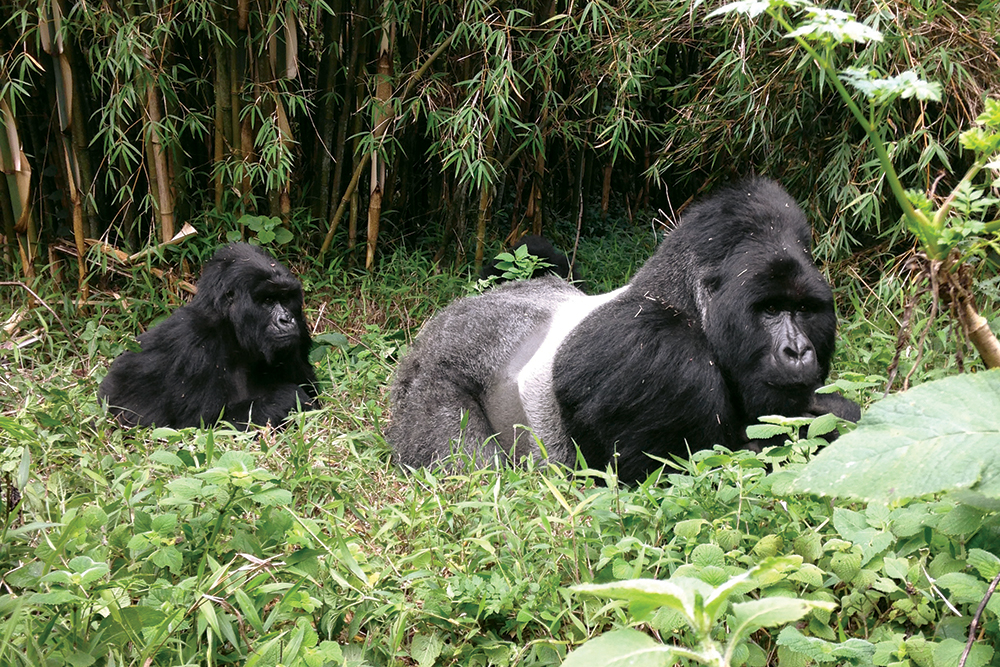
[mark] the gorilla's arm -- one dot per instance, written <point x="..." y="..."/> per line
<point x="845" y="408"/>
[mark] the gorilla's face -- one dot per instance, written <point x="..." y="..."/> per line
<point x="771" y="323"/>
<point x="268" y="317"/>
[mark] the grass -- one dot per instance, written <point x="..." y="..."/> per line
<point x="307" y="546"/>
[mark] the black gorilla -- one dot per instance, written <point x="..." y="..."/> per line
<point x="540" y="247"/>
<point x="729" y="320"/>
<point x="239" y="350"/>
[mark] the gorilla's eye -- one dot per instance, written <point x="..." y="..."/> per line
<point x="771" y="309"/>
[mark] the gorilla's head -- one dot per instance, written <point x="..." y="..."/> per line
<point x="765" y="309"/>
<point x="257" y="298"/>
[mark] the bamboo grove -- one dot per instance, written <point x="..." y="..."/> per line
<point x="442" y="124"/>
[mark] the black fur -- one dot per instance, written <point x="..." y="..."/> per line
<point x="239" y="350"/>
<point x="728" y="321"/>
<point x="540" y="247"/>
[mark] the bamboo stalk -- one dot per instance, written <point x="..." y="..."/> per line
<point x="485" y="199"/>
<point x="165" y="208"/>
<point x="326" y="123"/>
<point x="383" y="117"/>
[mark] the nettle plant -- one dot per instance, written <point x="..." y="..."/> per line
<point x="266" y="230"/>
<point x="519" y="264"/>
<point x="719" y="630"/>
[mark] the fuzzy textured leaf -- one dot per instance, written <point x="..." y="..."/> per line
<point x="938" y="436"/>
<point x="620" y="648"/>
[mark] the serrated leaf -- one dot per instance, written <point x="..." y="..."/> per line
<point x="621" y="648"/>
<point x="938" y="436"/>
<point x="688" y="529"/>
<point x="808" y="574"/>
<point x="769" y="612"/>
<point x="962" y="520"/>
<point x="273" y="497"/>
<point x="853" y="650"/>
<point x="706" y="555"/>
<point x="948" y="652"/>
<point x="963" y="587"/>
<point x="987" y="564"/>
<point x="765" y="431"/>
<point x="166" y="458"/>
<point x="896" y="568"/>
<point x="425" y="649"/>
<point x="822" y="425"/>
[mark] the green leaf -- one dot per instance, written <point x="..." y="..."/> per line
<point x="168" y="557"/>
<point x="964" y="588"/>
<point x="765" y="431"/>
<point x="620" y="648"/>
<point x="166" y="458"/>
<point x="273" y="497"/>
<point x="690" y="528"/>
<point x="283" y="236"/>
<point x="425" y="649"/>
<point x="822" y="425"/>
<point x="55" y="597"/>
<point x="961" y="520"/>
<point x="852" y="650"/>
<point x="987" y="564"/>
<point x="770" y="612"/>
<point x="128" y="623"/>
<point x="936" y="437"/>
<point x="948" y="652"/>
<point x="677" y="593"/>
<point x="705" y="555"/>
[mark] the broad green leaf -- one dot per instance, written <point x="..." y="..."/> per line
<point x="127" y="624"/>
<point x="166" y="458"/>
<point x="425" y="649"/>
<point x="765" y="431"/>
<point x="55" y="597"/>
<point x="948" y="652"/>
<point x="964" y="588"/>
<point x="987" y="564"/>
<point x="822" y="425"/>
<point x="936" y="437"/>
<point x="770" y="612"/>
<point x="705" y="555"/>
<point x="678" y="593"/>
<point x="852" y="650"/>
<point x="620" y="648"/>
<point x="689" y="528"/>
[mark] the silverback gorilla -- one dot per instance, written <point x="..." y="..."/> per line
<point x="729" y="320"/>
<point x="239" y="350"/>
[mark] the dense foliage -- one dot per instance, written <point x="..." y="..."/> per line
<point x="308" y="547"/>
<point x="124" y="121"/>
<point x="432" y="131"/>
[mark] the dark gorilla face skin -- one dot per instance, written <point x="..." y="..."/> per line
<point x="238" y="351"/>
<point x="729" y="320"/>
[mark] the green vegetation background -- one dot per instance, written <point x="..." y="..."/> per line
<point x="307" y="546"/>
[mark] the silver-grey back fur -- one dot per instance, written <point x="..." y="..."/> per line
<point x="487" y="360"/>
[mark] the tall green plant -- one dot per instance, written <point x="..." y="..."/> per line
<point x="947" y="233"/>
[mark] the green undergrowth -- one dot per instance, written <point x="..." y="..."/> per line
<point x="307" y="546"/>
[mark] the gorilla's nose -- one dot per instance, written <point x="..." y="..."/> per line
<point x="798" y="353"/>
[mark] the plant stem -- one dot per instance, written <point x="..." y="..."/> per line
<point x="918" y="222"/>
